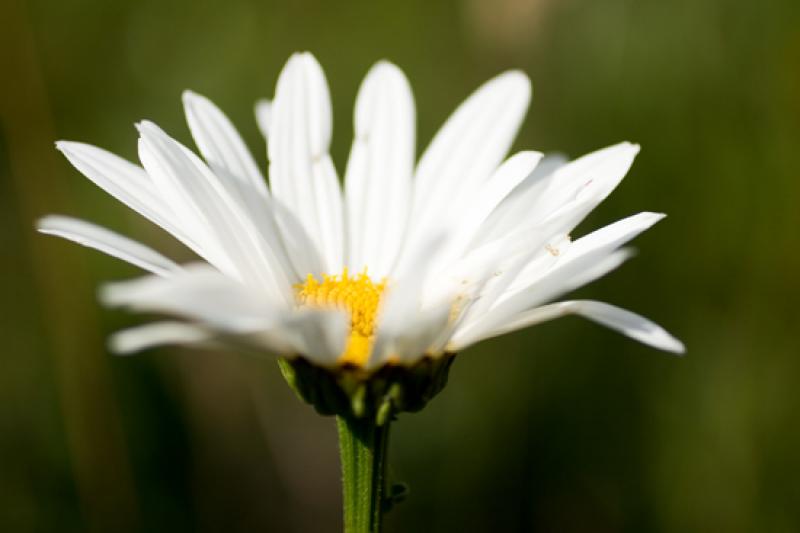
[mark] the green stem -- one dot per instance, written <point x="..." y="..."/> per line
<point x="362" y="446"/>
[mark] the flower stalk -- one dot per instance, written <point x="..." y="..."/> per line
<point x="363" y="445"/>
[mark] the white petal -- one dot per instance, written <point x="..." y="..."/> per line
<point x="302" y="176"/>
<point x="315" y="334"/>
<point x="572" y="190"/>
<point x="263" y="116"/>
<point x="555" y="282"/>
<point x="616" y="318"/>
<point x="515" y="261"/>
<point x="422" y="333"/>
<point x="319" y="335"/>
<point x="516" y="206"/>
<point x="232" y="241"/>
<point x="108" y="242"/>
<point x="505" y="179"/>
<point x="200" y="293"/>
<point x="303" y="255"/>
<point x="222" y="147"/>
<point x="187" y="212"/>
<point x="126" y="182"/>
<point x="612" y="236"/>
<point x="495" y="284"/>
<point x="409" y="310"/>
<point x="594" y="175"/>
<point x="406" y="294"/>
<point x="231" y="161"/>
<point x="587" y="249"/>
<point x="484" y="201"/>
<point x="232" y="311"/>
<point x="378" y="180"/>
<point x="467" y="149"/>
<point x="140" y="338"/>
<point x="561" y="279"/>
<point x="546" y="271"/>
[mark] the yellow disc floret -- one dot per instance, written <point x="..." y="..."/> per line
<point x="359" y="296"/>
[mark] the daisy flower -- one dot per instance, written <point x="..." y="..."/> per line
<point x="404" y="262"/>
<point x="364" y="291"/>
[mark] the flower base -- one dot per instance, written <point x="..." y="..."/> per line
<point x="351" y="392"/>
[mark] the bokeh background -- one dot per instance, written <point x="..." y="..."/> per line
<point x="564" y="428"/>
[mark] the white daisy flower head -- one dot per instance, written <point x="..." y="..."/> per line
<point x="389" y="275"/>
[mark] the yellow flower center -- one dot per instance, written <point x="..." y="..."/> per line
<point x="359" y="296"/>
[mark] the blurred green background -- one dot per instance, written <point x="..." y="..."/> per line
<point x="564" y="428"/>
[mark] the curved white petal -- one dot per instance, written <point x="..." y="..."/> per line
<point x="378" y="179"/>
<point x="516" y="261"/>
<point x="237" y="245"/>
<point x="140" y="338"/>
<point x="223" y="147"/>
<point x="229" y="309"/>
<point x="128" y="183"/>
<point x="593" y="176"/>
<point x="626" y="322"/>
<point x="411" y="337"/>
<point x="318" y="335"/>
<point x="409" y="312"/>
<point x="502" y="182"/>
<point x="232" y="163"/>
<point x="588" y="248"/>
<point x="567" y="191"/>
<point x="302" y="176"/>
<point x="555" y="282"/>
<point x="467" y="149"/>
<point x="108" y="242"/>
<point x="484" y="201"/>
<point x="516" y="206"/>
<point x="560" y="279"/>
<point x="406" y="294"/>
<point x="614" y="235"/>
<point x="276" y="340"/>
<point x="199" y="293"/>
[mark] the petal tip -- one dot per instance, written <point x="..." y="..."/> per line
<point x="672" y="345"/>
<point x="385" y="67"/>
<point x="190" y="98"/>
<point x="149" y="129"/>
<point x="308" y="60"/>
<point x="633" y="147"/>
<point x="653" y="216"/>
<point x="43" y="224"/>
<point x="109" y="295"/>
<point x="119" y="345"/>
<point x="67" y="147"/>
<point x="519" y="80"/>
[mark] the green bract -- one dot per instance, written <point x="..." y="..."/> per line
<point x="352" y="392"/>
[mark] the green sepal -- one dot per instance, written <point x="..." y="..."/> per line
<point x="351" y="392"/>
